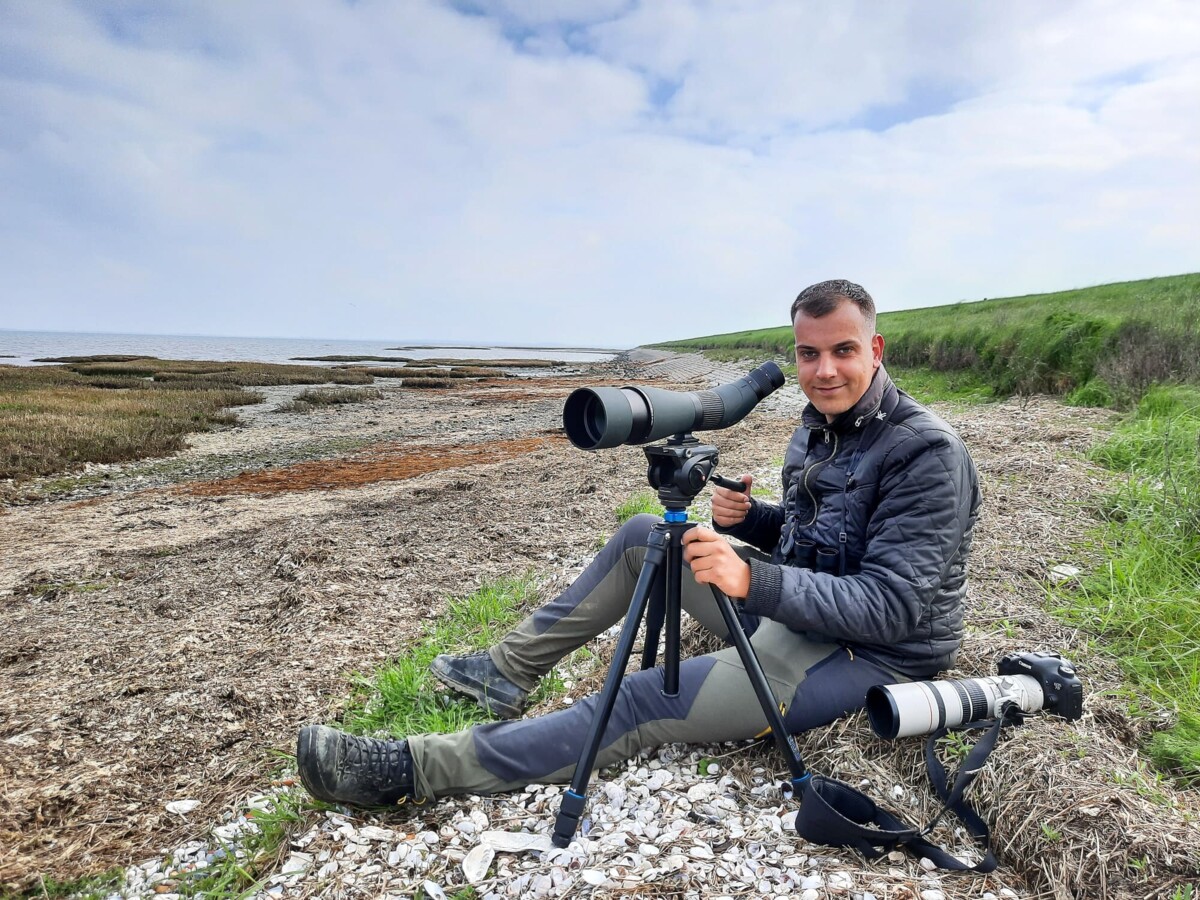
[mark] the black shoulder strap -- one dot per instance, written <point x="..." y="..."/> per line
<point x="837" y="815"/>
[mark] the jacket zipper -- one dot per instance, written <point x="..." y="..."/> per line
<point x="813" y="468"/>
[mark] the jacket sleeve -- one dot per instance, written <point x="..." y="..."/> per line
<point x="760" y="528"/>
<point x="924" y="511"/>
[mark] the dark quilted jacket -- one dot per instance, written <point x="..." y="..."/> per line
<point x="869" y="546"/>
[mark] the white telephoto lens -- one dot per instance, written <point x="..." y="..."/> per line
<point x="922" y="707"/>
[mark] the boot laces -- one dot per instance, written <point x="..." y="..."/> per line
<point x="382" y="760"/>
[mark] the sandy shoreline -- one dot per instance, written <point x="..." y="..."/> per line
<point x="167" y="626"/>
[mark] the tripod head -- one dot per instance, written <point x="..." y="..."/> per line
<point x="679" y="469"/>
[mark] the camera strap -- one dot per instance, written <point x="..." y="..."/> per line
<point x="837" y="815"/>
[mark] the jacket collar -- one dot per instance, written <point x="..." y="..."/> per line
<point x="880" y="396"/>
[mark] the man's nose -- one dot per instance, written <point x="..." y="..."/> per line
<point x="825" y="366"/>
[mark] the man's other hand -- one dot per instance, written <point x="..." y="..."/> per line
<point x="730" y="508"/>
<point x="714" y="561"/>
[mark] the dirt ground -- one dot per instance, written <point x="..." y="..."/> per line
<point x="169" y="625"/>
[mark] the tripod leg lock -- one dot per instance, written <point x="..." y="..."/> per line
<point x="567" y="822"/>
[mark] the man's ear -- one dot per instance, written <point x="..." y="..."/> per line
<point x="877" y="350"/>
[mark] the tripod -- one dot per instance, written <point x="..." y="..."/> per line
<point x="678" y="470"/>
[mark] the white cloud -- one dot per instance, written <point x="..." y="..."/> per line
<point x="587" y="173"/>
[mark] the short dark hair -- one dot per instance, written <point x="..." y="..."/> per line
<point x="823" y="298"/>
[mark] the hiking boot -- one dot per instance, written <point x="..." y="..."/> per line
<point x="477" y="676"/>
<point x="342" y="768"/>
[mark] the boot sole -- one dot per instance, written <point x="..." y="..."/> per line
<point x="477" y="691"/>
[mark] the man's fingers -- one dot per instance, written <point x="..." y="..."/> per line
<point x="700" y="533"/>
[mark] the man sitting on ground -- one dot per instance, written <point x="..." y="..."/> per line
<point x="857" y="578"/>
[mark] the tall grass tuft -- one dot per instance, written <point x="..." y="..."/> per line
<point x="309" y="399"/>
<point x="1145" y="602"/>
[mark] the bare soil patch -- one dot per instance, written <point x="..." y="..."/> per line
<point x="165" y="639"/>
<point x="381" y="464"/>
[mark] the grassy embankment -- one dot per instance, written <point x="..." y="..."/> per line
<point x="106" y="409"/>
<point x="1130" y="346"/>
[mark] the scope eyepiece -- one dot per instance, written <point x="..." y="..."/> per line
<point x="599" y="418"/>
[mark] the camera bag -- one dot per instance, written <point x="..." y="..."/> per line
<point x="837" y="815"/>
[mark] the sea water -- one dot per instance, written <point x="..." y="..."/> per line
<point x="23" y="347"/>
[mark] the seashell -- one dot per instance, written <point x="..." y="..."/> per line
<point x="296" y="863"/>
<point x="700" y="851"/>
<point x="182" y="807"/>
<point x="477" y="862"/>
<point x="375" y="833"/>
<point x="434" y="891"/>
<point x="594" y="877"/>
<point x="516" y="842"/>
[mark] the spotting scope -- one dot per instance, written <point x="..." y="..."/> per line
<point x="603" y="417"/>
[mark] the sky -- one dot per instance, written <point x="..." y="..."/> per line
<point x="580" y="172"/>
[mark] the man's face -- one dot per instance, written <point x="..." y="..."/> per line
<point x="836" y="358"/>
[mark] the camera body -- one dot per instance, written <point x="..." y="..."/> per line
<point x="1062" y="692"/>
<point x="1028" y="681"/>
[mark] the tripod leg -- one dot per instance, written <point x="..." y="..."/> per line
<point x="569" y="813"/>
<point x="758" y="680"/>
<point x="655" y="613"/>
<point x="674" y="609"/>
<point x="667" y="608"/>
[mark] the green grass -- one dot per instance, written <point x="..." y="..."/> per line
<point x="401" y="698"/>
<point x="255" y="857"/>
<point x="1144" y="602"/>
<point x="929" y="386"/>
<point x="1119" y="338"/>
<point x="643" y="502"/>
<point x="91" y="887"/>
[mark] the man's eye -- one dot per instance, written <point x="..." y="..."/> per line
<point x="806" y="354"/>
